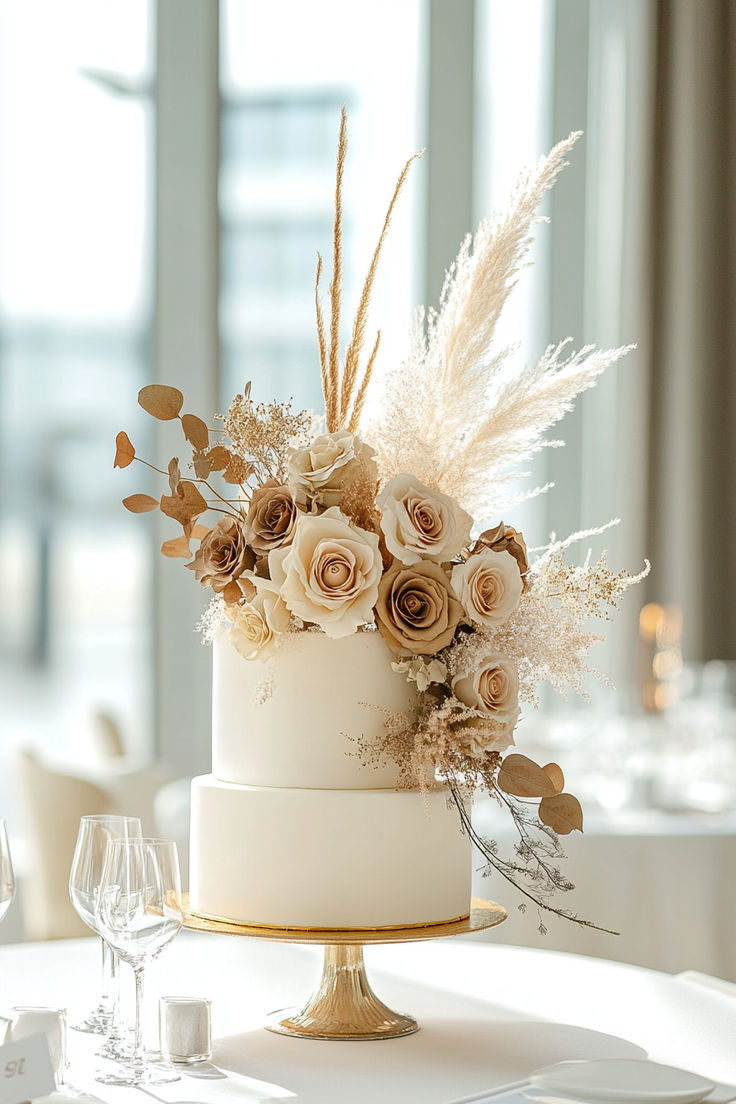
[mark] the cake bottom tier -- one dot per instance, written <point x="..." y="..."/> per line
<point x="326" y="858"/>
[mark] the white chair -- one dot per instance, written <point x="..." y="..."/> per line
<point x="52" y="803"/>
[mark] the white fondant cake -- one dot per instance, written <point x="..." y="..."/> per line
<point x="292" y="829"/>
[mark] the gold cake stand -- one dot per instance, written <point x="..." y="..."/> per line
<point x="344" y="1006"/>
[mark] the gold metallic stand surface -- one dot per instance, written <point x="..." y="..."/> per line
<point x="344" y="1006"/>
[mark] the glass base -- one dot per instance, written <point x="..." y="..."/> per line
<point x="151" y="1075"/>
<point x="96" y="1023"/>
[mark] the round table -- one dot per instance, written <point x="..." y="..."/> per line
<point x="489" y="1015"/>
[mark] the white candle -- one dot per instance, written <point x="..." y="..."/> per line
<point x="185" y="1028"/>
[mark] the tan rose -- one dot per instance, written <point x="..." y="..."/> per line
<point x="255" y="623"/>
<point x="271" y="518"/>
<point x="419" y="523"/>
<point x="329" y="574"/>
<point x="489" y="586"/>
<point x="417" y="612"/>
<point x="504" y="538"/>
<point x="223" y="555"/>
<point x="492" y="688"/>
<point x="318" y="472"/>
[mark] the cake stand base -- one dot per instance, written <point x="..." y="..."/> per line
<point x="343" y="1006"/>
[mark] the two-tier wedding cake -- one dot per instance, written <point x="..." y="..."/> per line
<point x="377" y="628"/>
<point x="291" y="829"/>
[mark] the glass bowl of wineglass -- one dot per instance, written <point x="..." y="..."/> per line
<point x="94" y="834"/>
<point x="7" y="878"/>
<point x="139" y="912"/>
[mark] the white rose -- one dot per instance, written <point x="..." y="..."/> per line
<point x="256" y="622"/>
<point x="320" y="470"/>
<point x="492" y="689"/>
<point x="489" y="585"/>
<point x="421" y="524"/>
<point x="329" y="574"/>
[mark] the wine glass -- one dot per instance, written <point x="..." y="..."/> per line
<point x="139" y="912"/>
<point x="7" y="878"/>
<point x="84" y="878"/>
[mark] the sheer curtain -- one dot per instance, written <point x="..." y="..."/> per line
<point x="691" y="499"/>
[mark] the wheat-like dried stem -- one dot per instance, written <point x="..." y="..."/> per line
<point x="363" y="391"/>
<point x="321" y="335"/>
<point x="352" y="356"/>
<point x="335" y="286"/>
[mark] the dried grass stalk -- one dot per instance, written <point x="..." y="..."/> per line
<point x="352" y="355"/>
<point x="354" y="422"/>
<point x="458" y="413"/>
<point x="321" y="332"/>
<point x="335" y="286"/>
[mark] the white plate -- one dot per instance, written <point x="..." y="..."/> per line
<point x="622" y="1079"/>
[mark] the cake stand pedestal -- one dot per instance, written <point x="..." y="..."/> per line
<point x="344" y="1006"/>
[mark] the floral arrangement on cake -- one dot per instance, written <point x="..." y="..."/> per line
<point x="375" y="523"/>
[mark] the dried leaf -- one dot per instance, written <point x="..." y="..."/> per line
<point x="184" y="506"/>
<point x="124" y="451"/>
<point x="232" y="593"/>
<point x="555" y="775"/>
<point x="562" y="813"/>
<point x="199" y="532"/>
<point x="174" y="475"/>
<point x="237" y="471"/>
<point x="219" y="458"/>
<point x="177" y="548"/>
<point x="524" y="778"/>
<point x="140" y="503"/>
<point x="202" y="464"/>
<point x="195" y="431"/>
<point x="160" y="401"/>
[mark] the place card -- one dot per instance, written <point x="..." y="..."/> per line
<point x="25" y="1070"/>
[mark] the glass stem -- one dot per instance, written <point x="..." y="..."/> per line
<point x="114" y="1034"/>
<point x="107" y="974"/>
<point x="138" y="1061"/>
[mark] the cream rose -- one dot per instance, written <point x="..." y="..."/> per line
<point x="223" y="555"/>
<point x="489" y="586"/>
<point x="421" y="524"/>
<point x="255" y="623"/>
<point x="492" y="688"/>
<point x="329" y="574"/>
<point x="319" y="471"/>
<point x="417" y="612"/>
<point x="271" y="518"/>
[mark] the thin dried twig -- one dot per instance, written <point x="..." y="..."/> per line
<point x="321" y="330"/>
<point x="352" y="356"/>
<point x="332" y="400"/>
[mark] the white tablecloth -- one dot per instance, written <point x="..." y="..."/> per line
<point x="489" y="1015"/>
<point x="665" y="881"/>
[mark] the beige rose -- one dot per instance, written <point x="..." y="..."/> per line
<point x="271" y="518"/>
<point x="421" y="524"/>
<point x="318" y="472"/>
<point x="417" y="612"/>
<point x="329" y="574"/>
<point x="223" y="555"/>
<point x="255" y="623"/>
<point x="504" y="538"/>
<point x="489" y="586"/>
<point x="492" y="688"/>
